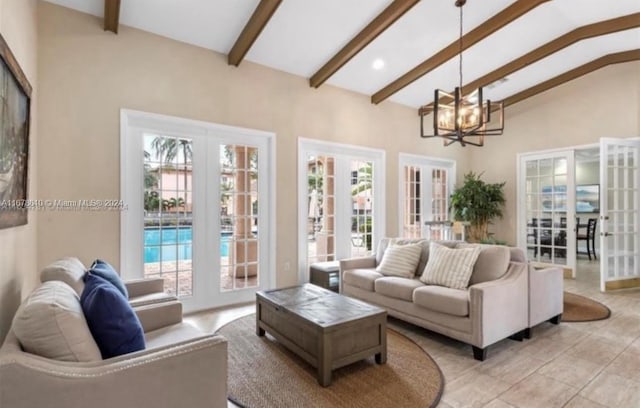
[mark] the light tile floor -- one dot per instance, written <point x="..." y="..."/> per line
<point x="576" y="365"/>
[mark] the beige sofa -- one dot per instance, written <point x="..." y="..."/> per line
<point x="180" y="366"/>
<point x="495" y="305"/>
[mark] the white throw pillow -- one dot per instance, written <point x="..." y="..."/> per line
<point x="50" y="323"/>
<point x="69" y="270"/>
<point x="400" y="260"/>
<point x="449" y="267"/>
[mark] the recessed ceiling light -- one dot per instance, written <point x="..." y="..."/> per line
<point x="378" y="64"/>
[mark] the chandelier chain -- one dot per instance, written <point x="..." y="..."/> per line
<point x="460" y="49"/>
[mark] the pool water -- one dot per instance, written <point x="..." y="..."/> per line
<point x="174" y="244"/>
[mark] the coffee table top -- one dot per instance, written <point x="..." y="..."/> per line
<point x="318" y="305"/>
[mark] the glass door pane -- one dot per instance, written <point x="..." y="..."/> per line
<point x="620" y="206"/>
<point x="548" y="189"/>
<point x="412" y="219"/>
<point x="168" y="201"/>
<point x="238" y="238"/>
<point x="425" y="210"/>
<point x="438" y="213"/>
<point x="321" y="197"/>
<point x="362" y="208"/>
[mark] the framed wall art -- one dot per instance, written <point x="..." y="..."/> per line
<point x="15" y="100"/>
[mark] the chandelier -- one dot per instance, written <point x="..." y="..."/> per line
<point x="466" y="119"/>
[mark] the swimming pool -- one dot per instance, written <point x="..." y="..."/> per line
<point x="174" y="243"/>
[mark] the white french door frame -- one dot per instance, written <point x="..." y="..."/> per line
<point x="343" y="209"/>
<point x="426" y="163"/>
<point x="521" y="207"/>
<point x="619" y="252"/>
<point x="206" y="283"/>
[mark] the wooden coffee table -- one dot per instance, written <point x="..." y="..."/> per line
<point x="324" y="328"/>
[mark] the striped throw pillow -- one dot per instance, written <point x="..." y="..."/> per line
<point x="400" y="260"/>
<point x="449" y="267"/>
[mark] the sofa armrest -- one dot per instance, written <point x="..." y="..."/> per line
<point x="546" y="287"/>
<point x="141" y="287"/>
<point x="157" y="315"/>
<point x="364" y="262"/>
<point x="357" y="263"/>
<point x="191" y="374"/>
<point x="499" y="308"/>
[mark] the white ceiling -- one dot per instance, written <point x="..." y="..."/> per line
<point x="303" y="35"/>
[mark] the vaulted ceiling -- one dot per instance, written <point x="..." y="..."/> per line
<point x="514" y="48"/>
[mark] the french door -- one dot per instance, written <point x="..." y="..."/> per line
<point x="620" y="213"/>
<point x="546" y="208"/>
<point x="425" y="185"/>
<point x="340" y="202"/>
<point x="199" y="208"/>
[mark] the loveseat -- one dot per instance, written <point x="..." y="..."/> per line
<point x="494" y="306"/>
<point x="179" y="366"/>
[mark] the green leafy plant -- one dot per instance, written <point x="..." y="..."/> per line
<point x="478" y="203"/>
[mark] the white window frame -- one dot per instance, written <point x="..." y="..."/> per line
<point x="133" y="124"/>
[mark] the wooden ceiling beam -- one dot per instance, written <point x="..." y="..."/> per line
<point x="581" y="33"/>
<point x="376" y="27"/>
<point x="111" y="15"/>
<point x="259" y="19"/>
<point x="504" y="17"/>
<point x="610" y="59"/>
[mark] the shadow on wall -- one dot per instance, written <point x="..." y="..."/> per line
<point x="9" y="302"/>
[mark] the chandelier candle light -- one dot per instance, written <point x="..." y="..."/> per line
<point x="457" y="117"/>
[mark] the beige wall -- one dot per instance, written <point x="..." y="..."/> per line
<point x="604" y="103"/>
<point x="18" y="250"/>
<point x="87" y="75"/>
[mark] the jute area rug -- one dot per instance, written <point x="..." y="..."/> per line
<point x="582" y="309"/>
<point x="262" y="373"/>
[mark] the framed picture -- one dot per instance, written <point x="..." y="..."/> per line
<point x="588" y="198"/>
<point x="15" y="99"/>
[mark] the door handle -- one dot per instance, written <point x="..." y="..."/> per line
<point x="605" y="234"/>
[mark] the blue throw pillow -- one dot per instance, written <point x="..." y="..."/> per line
<point x="106" y="271"/>
<point x="113" y="323"/>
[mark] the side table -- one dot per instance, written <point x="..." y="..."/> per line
<point x="325" y="274"/>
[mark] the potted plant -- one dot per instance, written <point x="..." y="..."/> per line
<point x="478" y="203"/>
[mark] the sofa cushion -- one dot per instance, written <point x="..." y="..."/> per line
<point x="388" y="242"/>
<point x="424" y="256"/>
<point x="171" y="335"/>
<point x="361" y="278"/>
<point x="104" y="270"/>
<point x="398" y="288"/>
<point x="441" y="299"/>
<point x="400" y="260"/>
<point x="69" y="270"/>
<point x="492" y="263"/>
<point x="449" y="267"/>
<point x="50" y="323"/>
<point x="113" y="323"/>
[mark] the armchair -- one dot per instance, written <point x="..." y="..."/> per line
<point x="181" y="366"/>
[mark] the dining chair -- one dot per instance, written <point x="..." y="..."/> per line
<point x="589" y="237"/>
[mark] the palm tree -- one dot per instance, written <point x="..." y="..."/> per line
<point x="150" y="177"/>
<point x="168" y="148"/>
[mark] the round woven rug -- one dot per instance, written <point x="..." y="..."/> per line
<point x="582" y="309"/>
<point x="262" y="373"/>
